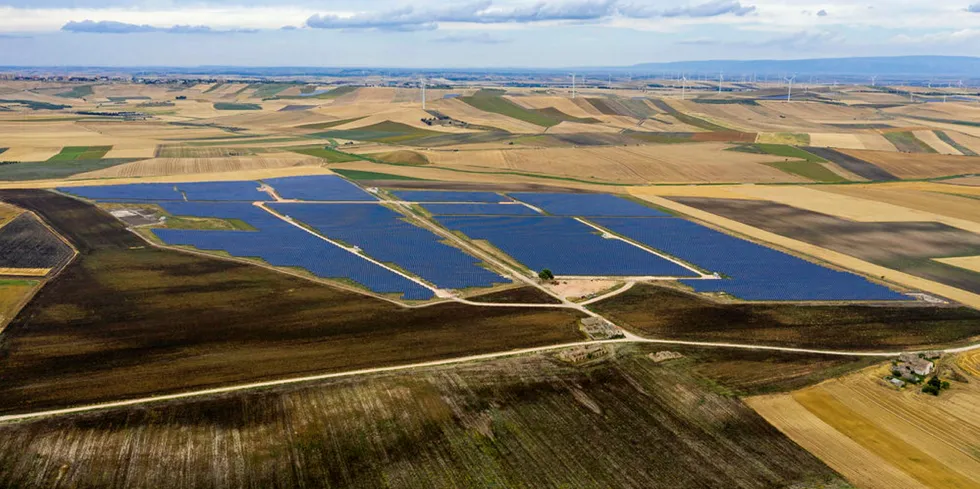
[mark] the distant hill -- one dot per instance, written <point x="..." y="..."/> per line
<point x="895" y="66"/>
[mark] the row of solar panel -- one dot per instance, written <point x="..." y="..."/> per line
<point x="282" y="244"/>
<point x="563" y="245"/>
<point x="384" y="235"/>
<point x="757" y="272"/>
<point x="318" y="187"/>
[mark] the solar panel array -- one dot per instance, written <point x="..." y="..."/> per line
<point x="224" y="191"/>
<point x="383" y="235"/>
<point x="282" y="244"/>
<point x="480" y="210"/>
<point x="586" y="205"/>
<point x="447" y="196"/>
<point x="564" y="246"/>
<point x="134" y="192"/>
<point x="758" y="273"/>
<point x="318" y="187"/>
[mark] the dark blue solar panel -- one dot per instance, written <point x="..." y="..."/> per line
<point x="757" y="272"/>
<point x="586" y="205"/>
<point x="383" y="235"/>
<point x="224" y="191"/>
<point x="134" y="192"/>
<point x="563" y="245"/>
<point x="318" y="187"/>
<point x="282" y="244"/>
<point x="480" y="209"/>
<point x="444" y="196"/>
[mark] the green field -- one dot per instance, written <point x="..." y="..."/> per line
<point x="906" y="142"/>
<point x="959" y="147"/>
<point x="524" y="422"/>
<point x="77" y="92"/>
<point x="214" y="87"/>
<point x="370" y="175"/>
<point x="236" y="106"/>
<point x="382" y="132"/>
<point x="81" y="153"/>
<point x="783" y="150"/>
<point x="204" y="223"/>
<point x="500" y="105"/>
<point x="34" y="105"/>
<point x="56" y="169"/>
<point x="327" y="153"/>
<point x="266" y="90"/>
<point x="809" y="170"/>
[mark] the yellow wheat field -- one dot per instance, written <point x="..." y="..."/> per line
<point x="966" y="262"/>
<point x="896" y="438"/>
<point x="924" y="196"/>
<point x="24" y="272"/>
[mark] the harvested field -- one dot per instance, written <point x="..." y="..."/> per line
<point x="567" y="106"/>
<point x="903" y="435"/>
<point x="402" y="157"/>
<point x="693" y="162"/>
<point x="965" y="181"/>
<point x="917" y="165"/>
<point x="854" y="163"/>
<point x="967" y="262"/>
<point x="521" y="422"/>
<point x="791" y="138"/>
<point x="29" y="153"/>
<point x="459" y="110"/>
<point x="13" y="295"/>
<point x="636" y="109"/>
<point x="181" y="151"/>
<point x="904" y="246"/>
<point x="326" y="153"/>
<point x="927" y="198"/>
<point x="835" y="140"/>
<point x="55" y="169"/>
<point x="27" y="243"/>
<point x="382" y="132"/>
<point x="120" y="298"/>
<point x="506" y="107"/>
<point x="966" y="144"/>
<point x="938" y="143"/>
<point x="875" y="141"/>
<point x="182" y="166"/>
<point x="518" y="295"/>
<point x="665" y="313"/>
<point x="8" y="213"/>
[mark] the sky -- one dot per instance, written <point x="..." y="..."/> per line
<point x="473" y="34"/>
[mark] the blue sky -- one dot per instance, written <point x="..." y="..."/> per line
<point x="491" y="33"/>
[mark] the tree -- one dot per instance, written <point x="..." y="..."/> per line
<point x="546" y="275"/>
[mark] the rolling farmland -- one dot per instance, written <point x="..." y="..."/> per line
<point x="440" y="427"/>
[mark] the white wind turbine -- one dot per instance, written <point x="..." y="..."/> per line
<point x="683" y="85"/>
<point x="789" y="92"/>
<point x="422" y="83"/>
<point x="573" y="85"/>
<point x="721" y="78"/>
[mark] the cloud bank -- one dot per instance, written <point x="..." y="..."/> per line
<point x="112" y="27"/>
<point x="483" y="12"/>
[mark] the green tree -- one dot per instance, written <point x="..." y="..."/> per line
<point x="546" y="274"/>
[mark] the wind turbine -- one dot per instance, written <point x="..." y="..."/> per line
<point x="873" y="78"/>
<point x="683" y="85"/>
<point x="721" y="78"/>
<point x="789" y="92"/>
<point x="573" y="85"/>
<point x="422" y="82"/>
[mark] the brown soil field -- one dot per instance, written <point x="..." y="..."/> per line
<point x="875" y="142"/>
<point x="906" y="165"/>
<point x="970" y="142"/>
<point x="652" y="195"/>
<point x="965" y="181"/>
<point x="928" y="439"/>
<point x="660" y="312"/>
<point x="127" y="320"/>
<point x="520" y="422"/>
<point x="518" y="295"/>
<point x="696" y="162"/>
<point x="905" y="246"/>
<point x="182" y="166"/>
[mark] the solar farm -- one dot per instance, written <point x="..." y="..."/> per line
<point x="333" y="229"/>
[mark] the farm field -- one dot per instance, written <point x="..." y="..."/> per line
<point x="968" y="262"/>
<point x="662" y="312"/>
<point x="912" y="166"/>
<point x="13" y="294"/>
<point x="440" y="427"/>
<point x="26" y="243"/>
<point x="55" y="351"/>
<point x="893" y="438"/>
